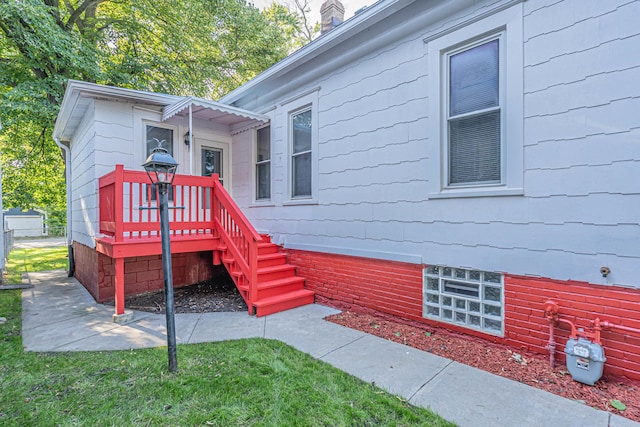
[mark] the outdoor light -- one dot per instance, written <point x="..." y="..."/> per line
<point x="160" y="166"/>
<point x="187" y="138"/>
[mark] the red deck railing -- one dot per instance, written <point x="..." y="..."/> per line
<point x="199" y="207"/>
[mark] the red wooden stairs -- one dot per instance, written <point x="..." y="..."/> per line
<point x="277" y="288"/>
<point x="209" y="219"/>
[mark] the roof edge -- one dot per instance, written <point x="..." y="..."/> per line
<point x="76" y="89"/>
<point x="360" y="22"/>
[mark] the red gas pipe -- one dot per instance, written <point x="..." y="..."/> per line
<point x="551" y="314"/>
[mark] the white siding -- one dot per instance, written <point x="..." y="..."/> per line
<point x="581" y="155"/>
<point x="84" y="215"/>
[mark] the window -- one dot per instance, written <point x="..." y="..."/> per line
<point x="301" y="152"/>
<point x="469" y="298"/>
<point x="159" y="137"/>
<point x="473" y="122"/>
<point x="263" y="164"/>
<point x="301" y="148"/>
<point x="476" y="96"/>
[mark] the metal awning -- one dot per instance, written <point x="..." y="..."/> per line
<point x="211" y="110"/>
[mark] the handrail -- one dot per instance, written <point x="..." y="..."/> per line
<point x="128" y="205"/>
<point x="239" y="236"/>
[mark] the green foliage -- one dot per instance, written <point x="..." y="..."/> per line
<point x="253" y="382"/>
<point x="185" y="47"/>
<point x="618" y="405"/>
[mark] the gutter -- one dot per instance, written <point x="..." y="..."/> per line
<point x="67" y="164"/>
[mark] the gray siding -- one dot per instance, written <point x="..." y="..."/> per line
<point x="581" y="156"/>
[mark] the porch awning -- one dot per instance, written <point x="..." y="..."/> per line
<point x="211" y="110"/>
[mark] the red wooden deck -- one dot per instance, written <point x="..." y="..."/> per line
<point x="202" y="217"/>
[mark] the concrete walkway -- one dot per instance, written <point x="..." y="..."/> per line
<point x="60" y="315"/>
<point x="24" y="243"/>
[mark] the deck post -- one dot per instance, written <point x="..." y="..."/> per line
<point x="119" y="285"/>
<point x="119" y="204"/>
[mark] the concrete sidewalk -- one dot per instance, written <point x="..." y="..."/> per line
<point x="60" y="315"/>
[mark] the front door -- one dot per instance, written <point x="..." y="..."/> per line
<point x="214" y="158"/>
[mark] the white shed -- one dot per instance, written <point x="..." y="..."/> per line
<point x="24" y="223"/>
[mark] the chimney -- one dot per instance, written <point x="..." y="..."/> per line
<point x="331" y="15"/>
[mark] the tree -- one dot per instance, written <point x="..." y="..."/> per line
<point x="185" y="47"/>
<point x="293" y="18"/>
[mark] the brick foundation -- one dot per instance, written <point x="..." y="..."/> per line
<point x="579" y="302"/>
<point x="96" y="271"/>
<point x="395" y="288"/>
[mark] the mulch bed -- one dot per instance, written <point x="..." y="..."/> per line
<point x="527" y="368"/>
<point x="215" y="295"/>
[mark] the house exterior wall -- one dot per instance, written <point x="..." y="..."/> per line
<point x="395" y="288"/>
<point x="83" y="185"/>
<point x="580" y="148"/>
<point x="374" y="213"/>
<point x="111" y="133"/>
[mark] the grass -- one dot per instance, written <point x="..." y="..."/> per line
<point x="253" y="382"/>
<point x="35" y="259"/>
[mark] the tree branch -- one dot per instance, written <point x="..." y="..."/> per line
<point x="75" y="14"/>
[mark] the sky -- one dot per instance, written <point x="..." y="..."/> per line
<point x="350" y="6"/>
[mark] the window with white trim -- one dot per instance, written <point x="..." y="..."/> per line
<point x="470" y="298"/>
<point x="476" y="103"/>
<point x="300" y="126"/>
<point x="263" y="164"/>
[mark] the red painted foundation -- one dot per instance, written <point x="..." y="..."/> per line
<point x="395" y="288"/>
<point x="96" y="271"/>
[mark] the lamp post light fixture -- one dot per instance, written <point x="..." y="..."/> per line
<point x="161" y="168"/>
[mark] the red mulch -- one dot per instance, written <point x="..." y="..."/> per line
<point x="531" y="369"/>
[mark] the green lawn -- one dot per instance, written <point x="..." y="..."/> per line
<point x="37" y="259"/>
<point x="254" y="382"/>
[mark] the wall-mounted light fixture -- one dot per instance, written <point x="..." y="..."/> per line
<point x="187" y="138"/>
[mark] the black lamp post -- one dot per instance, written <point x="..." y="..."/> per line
<point x="161" y="168"/>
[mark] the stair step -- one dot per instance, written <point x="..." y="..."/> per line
<point x="269" y="260"/>
<point x="267" y="248"/>
<point x="279" y="286"/>
<point x="265" y="238"/>
<point x="283" y="302"/>
<point x="275" y="272"/>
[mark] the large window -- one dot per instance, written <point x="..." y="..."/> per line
<point x="476" y="94"/>
<point x="263" y="164"/>
<point x="301" y="153"/>
<point x="473" y="122"/>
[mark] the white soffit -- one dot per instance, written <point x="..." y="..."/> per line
<point x="211" y="110"/>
